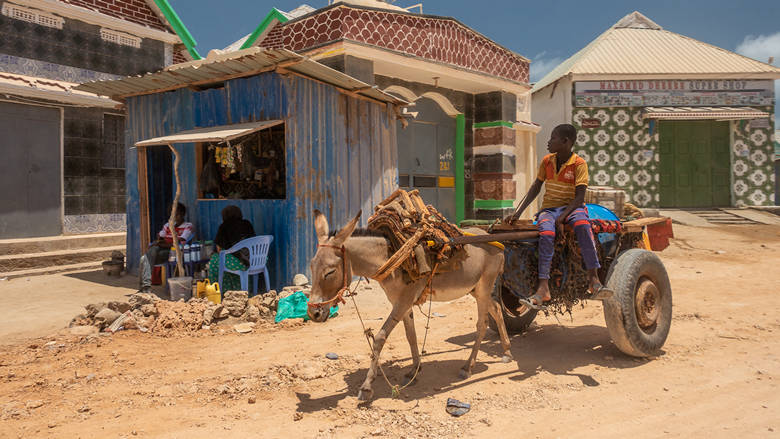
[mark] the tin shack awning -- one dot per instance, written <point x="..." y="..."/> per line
<point x="703" y="113"/>
<point x="223" y="133"/>
<point x="225" y="66"/>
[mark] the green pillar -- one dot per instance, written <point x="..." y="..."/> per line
<point x="460" y="181"/>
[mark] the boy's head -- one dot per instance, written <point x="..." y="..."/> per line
<point x="562" y="138"/>
<point x="231" y="212"/>
<point x="181" y="211"/>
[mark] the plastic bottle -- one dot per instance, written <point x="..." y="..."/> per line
<point x="195" y="251"/>
<point x="172" y="255"/>
<point x="186" y="256"/>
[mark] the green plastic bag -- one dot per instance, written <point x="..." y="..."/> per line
<point x="295" y="306"/>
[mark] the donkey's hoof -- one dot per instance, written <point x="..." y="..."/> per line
<point x="464" y="374"/>
<point x="365" y="394"/>
<point x="506" y="359"/>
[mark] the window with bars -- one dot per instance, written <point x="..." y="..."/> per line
<point x="120" y="38"/>
<point x="112" y="154"/>
<point x="32" y="16"/>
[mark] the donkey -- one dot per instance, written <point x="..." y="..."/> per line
<point x="341" y="256"/>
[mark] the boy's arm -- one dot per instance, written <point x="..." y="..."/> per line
<point x="533" y="191"/>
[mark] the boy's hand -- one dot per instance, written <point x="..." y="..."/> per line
<point x="559" y="224"/>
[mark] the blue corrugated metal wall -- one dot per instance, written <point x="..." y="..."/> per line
<point x="341" y="157"/>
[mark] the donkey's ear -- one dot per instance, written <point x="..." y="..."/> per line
<point x="346" y="232"/>
<point x="320" y="226"/>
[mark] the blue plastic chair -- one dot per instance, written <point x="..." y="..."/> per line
<point x="258" y="256"/>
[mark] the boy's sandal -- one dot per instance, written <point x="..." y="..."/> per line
<point x="529" y="302"/>
<point x="601" y="293"/>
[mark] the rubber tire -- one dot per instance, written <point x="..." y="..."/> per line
<point x="619" y="311"/>
<point x="515" y="324"/>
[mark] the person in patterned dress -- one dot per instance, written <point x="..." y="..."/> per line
<point x="233" y="229"/>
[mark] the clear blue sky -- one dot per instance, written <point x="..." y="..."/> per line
<point x="547" y="32"/>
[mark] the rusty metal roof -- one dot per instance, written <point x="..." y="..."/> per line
<point x="212" y="134"/>
<point x="637" y="47"/>
<point x="224" y="66"/>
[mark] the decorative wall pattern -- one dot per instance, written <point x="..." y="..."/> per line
<point x="58" y="72"/>
<point x="99" y="223"/>
<point x="621" y="152"/>
<point x="438" y="39"/>
<point x="752" y="168"/>
<point x="78" y="45"/>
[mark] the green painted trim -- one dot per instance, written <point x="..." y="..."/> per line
<point x="275" y="14"/>
<point x="460" y="168"/>
<point x="493" y="204"/>
<point x="179" y="27"/>
<point x="497" y="123"/>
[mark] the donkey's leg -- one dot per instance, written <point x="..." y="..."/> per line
<point x="401" y="309"/>
<point x="484" y="305"/>
<point x="411" y="337"/>
<point x="494" y="308"/>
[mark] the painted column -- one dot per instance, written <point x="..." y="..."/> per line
<point x="494" y="169"/>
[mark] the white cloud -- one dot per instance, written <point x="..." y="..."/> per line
<point x="761" y="48"/>
<point x="542" y="66"/>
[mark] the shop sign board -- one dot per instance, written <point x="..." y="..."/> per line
<point x="674" y="92"/>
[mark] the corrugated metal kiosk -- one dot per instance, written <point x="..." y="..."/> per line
<point x="317" y="139"/>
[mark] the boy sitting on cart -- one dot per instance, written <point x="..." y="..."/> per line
<point x="565" y="176"/>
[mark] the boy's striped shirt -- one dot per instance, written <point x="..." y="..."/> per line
<point x="559" y="187"/>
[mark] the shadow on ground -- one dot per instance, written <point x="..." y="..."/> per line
<point x="555" y="349"/>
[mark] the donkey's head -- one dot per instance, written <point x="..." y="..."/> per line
<point x="331" y="271"/>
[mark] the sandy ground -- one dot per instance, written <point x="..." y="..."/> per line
<point x="717" y="376"/>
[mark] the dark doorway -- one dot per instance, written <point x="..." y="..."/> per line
<point x="31" y="174"/>
<point x="161" y="187"/>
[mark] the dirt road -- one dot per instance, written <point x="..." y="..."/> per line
<point x="718" y="375"/>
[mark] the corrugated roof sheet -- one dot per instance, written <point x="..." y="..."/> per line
<point x="637" y="46"/>
<point x="708" y="113"/>
<point x="49" y="89"/>
<point x="212" y="134"/>
<point x="218" y="67"/>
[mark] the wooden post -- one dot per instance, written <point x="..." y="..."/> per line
<point x="171" y="221"/>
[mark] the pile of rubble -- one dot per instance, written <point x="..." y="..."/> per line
<point x="148" y="313"/>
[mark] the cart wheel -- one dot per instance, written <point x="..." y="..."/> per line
<point x="516" y="322"/>
<point x="639" y="314"/>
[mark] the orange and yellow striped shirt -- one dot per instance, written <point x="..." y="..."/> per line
<point x="559" y="187"/>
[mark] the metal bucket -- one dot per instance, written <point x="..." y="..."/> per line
<point x="180" y="288"/>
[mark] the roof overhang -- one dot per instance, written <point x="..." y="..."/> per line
<point x="703" y="113"/>
<point x="92" y="17"/>
<point x="621" y="77"/>
<point x="223" y="133"/>
<point x="51" y="90"/>
<point x="414" y="69"/>
<point x="232" y="65"/>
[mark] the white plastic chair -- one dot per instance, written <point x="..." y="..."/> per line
<point x="258" y="257"/>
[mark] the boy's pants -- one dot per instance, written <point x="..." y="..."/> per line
<point x="579" y="219"/>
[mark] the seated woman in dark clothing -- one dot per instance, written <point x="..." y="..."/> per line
<point x="233" y="229"/>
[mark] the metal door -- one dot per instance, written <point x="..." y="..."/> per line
<point x="31" y="171"/>
<point x="426" y="158"/>
<point x="694" y="164"/>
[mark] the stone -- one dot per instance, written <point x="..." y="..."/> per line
<point x="106" y="316"/>
<point x="235" y="302"/>
<point x="120" y="307"/>
<point x="149" y="309"/>
<point x="83" y="409"/>
<point x="94" y="308"/>
<point x="208" y="316"/>
<point x="270" y="301"/>
<point x="83" y="330"/>
<point x="300" y="280"/>
<point x="33" y="404"/>
<point x="297" y="416"/>
<point x="252" y="314"/>
<point x="252" y="400"/>
<point x="139" y="299"/>
<point x="332" y="356"/>
<point x="220" y="312"/>
<point x="244" y="328"/>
